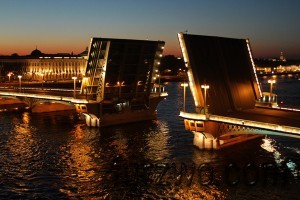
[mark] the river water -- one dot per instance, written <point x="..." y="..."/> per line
<point x="55" y="156"/>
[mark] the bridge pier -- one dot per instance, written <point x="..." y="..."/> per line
<point x="210" y="135"/>
<point x="206" y="134"/>
<point x="205" y="141"/>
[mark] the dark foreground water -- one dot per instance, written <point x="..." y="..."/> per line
<point x="55" y="156"/>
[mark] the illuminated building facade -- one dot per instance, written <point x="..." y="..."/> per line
<point x="44" y="67"/>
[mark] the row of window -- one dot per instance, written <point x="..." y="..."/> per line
<point x="58" y="64"/>
<point x="42" y="70"/>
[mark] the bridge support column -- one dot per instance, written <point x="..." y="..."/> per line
<point x="91" y="120"/>
<point x="205" y="141"/>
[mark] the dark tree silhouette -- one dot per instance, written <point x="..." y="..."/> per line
<point x="170" y="65"/>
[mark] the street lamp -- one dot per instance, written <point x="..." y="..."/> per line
<point x="271" y="81"/>
<point x="205" y="87"/>
<point x="184" y="85"/>
<point x="20" y="82"/>
<point x="9" y="75"/>
<point x="120" y="84"/>
<point x="74" y="78"/>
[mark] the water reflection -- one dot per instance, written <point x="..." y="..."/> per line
<point x="19" y="153"/>
<point x="55" y="156"/>
<point x="280" y="157"/>
<point x="157" y="142"/>
<point x="80" y="166"/>
<point x="120" y="144"/>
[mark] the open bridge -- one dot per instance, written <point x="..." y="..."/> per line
<point x="120" y="84"/>
<point x="230" y="104"/>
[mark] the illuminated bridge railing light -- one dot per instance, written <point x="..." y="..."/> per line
<point x="292" y="109"/>
<point x="193" y="116"/>
<point x="253" y="66"/>
<point x="236" y="121"/>
<point x="255" y="124"/>
<point x="43" y="96"/>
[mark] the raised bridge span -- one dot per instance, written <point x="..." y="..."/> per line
<point x="121" y="83"/>
<point x="226" y="91"/>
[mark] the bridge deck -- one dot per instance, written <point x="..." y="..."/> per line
<point x="44" y="96"/>
<point x="283" y="121"/>
<point x="267" y="115"/>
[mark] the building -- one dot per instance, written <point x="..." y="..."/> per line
<point x="43" y="67"/>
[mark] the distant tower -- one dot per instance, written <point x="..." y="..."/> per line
<point x="282" y="58"/>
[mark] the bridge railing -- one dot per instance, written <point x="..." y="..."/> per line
<point x="44" y="96"/>
<point x="242" y="122"/>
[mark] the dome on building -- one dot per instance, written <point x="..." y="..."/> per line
<point x="36" y="52"/>
<point x="85" y="52"/>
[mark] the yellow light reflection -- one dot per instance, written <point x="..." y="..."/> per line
<point x="82" y="164"/>
<point x="23" y="150"/>
<point x="269" y="146"/>
<point x="157" y="143"/>
<point x="120" y="145"/>
<point x="80" y="153"/>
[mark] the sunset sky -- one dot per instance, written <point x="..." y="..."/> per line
<point x="65" y="26"/>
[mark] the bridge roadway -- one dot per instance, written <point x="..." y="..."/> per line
<point x="49" y="94"/>
<point x="268" y="115"/>
<point x="282" y="121"/>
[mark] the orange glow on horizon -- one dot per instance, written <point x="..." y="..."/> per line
<point x="77" y="46"/>
<point x="23" y="51"/>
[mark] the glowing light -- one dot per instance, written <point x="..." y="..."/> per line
<point x="285" y="130"/>
<point x="253" y="67"/>
<point x="43" y="96"/>
<point x="20" y="82"/>
<point x="184" y="85"/>
<point x="9" y="75"/>
<point x="189" y="73"/>
<point x="271" y="81"/>
<point x="205" y="87"/>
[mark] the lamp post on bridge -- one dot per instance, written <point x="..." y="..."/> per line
<point x="20" y="84"/>
<point x="184" y="85"/>
<point x="271" y="81"/>
<point x="205" y="87"/>
<point x="120" y="84"/>
<point x="9" y="75"/>
<point x="74" y="78"/>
